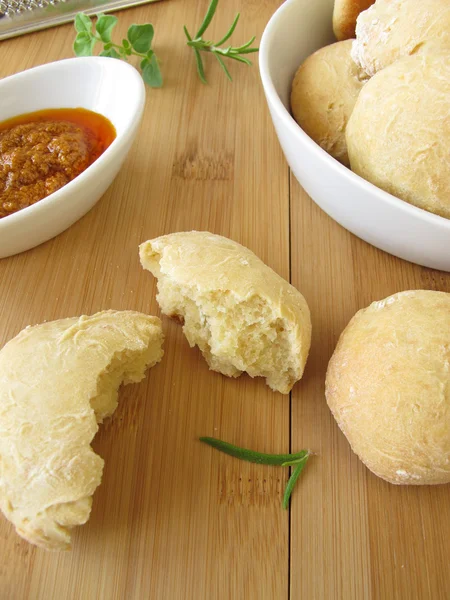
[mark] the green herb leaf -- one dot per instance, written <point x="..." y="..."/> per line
<point x="298" y="459"/>
<point x="248" y="50"/>
<point x="229" y="33"/>
<point x="224" y="67"/>
<point x="251" y="455"/>
<point x="104" y="26"/>
<point x="240" y="49"/>
<point x="187" y="34"/>
<point x="208" y="18"/>
<point x="123" y="53"/>
<point x="141" y="37"/>
<point x="110" y="52"/>
<point x="198" y="44"/>
<point x="83" y="23"/>
<point x="292" y="481"/>
<point x="151" y="72"/>
<point x="240" y="59"/>
<point x="201" y="74"/>
<point x="84" y="44"/>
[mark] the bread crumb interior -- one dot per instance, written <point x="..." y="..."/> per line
<point x="234" y="335"/>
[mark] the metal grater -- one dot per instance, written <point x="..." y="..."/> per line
<point x="23" y="16"/>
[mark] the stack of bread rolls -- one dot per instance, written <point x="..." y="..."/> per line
<point x="380" y="103"/>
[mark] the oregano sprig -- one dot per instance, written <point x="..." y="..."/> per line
<point x="137" y="43"/>
<point x="297" y="460"/>
<point x="198" y="44"/>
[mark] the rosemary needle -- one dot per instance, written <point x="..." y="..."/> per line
<point x="292" y="481"/>
<point x="298" y="460"/>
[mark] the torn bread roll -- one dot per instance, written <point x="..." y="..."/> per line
<point x="238" y="311"/>
<point x="58" y="380"/>
<point x="388" y="385"/>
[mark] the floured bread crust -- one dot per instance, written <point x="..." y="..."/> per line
<point x="58" y="380"/>
<point x="388" y="386"/>
<point x="391" y="29"/>
<point x="398" y="134"/>
<point x="324" y="91"/>
<point x="345" y="14"/>
<point x="238" y="311"/>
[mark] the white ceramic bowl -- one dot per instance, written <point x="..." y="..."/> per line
<point x="107" y="86"/>
<point x="298" y="28"/>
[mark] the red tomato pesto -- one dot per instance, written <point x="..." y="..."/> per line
<point x="41" y="152"/>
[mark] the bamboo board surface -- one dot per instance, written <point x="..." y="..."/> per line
<point x="174" y="519"/>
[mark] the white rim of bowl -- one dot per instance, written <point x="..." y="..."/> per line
<point x="79" y="179"/>
<point x="284" y="115"/>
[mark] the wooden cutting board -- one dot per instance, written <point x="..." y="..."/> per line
<point x="174" y="519"/>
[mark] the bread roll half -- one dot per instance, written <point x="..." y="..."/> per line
<point x="59" y="380"/>
<point x="240" y="313"/>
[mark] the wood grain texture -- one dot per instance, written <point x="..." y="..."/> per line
<point x="352" y="534"/>
<point x="174" y="519"/>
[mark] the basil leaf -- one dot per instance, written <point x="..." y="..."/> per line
<point x="110" y="53"/>
<point x="84" y="44"/>
<point x="141" y="37"/>
<point x="151" y="72"/>
<point x="82" y="23"/>
<point x="104" y="26"/>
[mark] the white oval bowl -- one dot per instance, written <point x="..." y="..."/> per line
<point x="296" y="30"/>
<point x="107" y="86"/>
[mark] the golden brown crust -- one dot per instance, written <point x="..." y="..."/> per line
<point x="324" y="91"/>
<point x="393" y="29"/>
<point x="345" y="14"/>
<point x="388" y="387"/>
<point x="397" y="136"/>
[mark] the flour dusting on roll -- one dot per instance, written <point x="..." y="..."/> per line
<point x="388" y="387"/>
<point x="58" y="380"/>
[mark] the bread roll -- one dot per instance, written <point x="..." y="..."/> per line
<point x="398" y="136"/>
<point x="59" y="380"/>
<point x="391" y="29"/>
<point x="345" y="14"/>
<point x="240" y="313"/>
<point x="324" y="92"/>
<point x="388" y="386"/>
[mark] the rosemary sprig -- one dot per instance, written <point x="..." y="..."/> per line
<point x="198" y="44"/>
<point x="299" y="460"/>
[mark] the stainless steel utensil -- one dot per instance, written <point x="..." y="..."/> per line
<point x="23" y="16"/>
